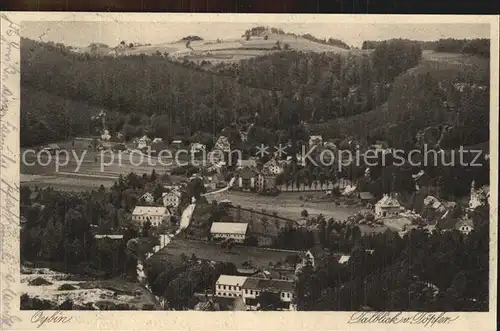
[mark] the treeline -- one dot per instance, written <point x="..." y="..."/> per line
<point x="177" y="282"/>
<point x="262" y="30"/>
<point x="479" y="46"/>
<point x="329" y="41"/>
<point x="372" y="44"/>
<point x="419" y="272"/>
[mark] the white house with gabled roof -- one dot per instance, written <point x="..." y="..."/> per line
<point x="388" y="206"/>
<point x="229" y="230"/>
<point x="229" y="286"/>
<point x="155" y="215"/>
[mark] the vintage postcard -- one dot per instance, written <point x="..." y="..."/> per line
<point x="253" y="172"/>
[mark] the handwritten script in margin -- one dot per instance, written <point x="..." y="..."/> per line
<point x="9" y="190"/>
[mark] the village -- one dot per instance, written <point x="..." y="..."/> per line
<point x="267" y="170"/>
<point x="222" y="222"/>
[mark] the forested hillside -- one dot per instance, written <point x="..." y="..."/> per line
<point x="390" y="94"/>
<point x="301" y="87"/>
<point x="479" y="47"/>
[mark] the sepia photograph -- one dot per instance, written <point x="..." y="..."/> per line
<point x="283" y="166"/>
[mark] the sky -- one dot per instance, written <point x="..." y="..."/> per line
<point x="80" y="33"/>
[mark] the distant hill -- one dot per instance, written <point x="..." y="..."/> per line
<point x="262" y="41"/>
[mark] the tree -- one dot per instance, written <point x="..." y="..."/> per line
<point x="146" y="227"/>
<point x="269" y="300"/>
<point x="251" y="241"/>
<point x="304" y="213"/>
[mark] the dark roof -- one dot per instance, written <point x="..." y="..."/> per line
<point x="243" y="271"/>
<point x="366" y="196"/>
<point x="253" y="283"/>
<point x="447" y="223"/>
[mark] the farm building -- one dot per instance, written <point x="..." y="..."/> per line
<point x="229" y="230"/>
<point x="254" y="286"/>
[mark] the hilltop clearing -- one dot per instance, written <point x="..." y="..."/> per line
<point x="194" y="48"/>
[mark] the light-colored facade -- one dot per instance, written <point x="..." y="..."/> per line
<point x="197" y="147"/>
<point x="465" y="226"/>
<point x="254" y="286"/>
<point x="249" y="288"/>
<point x="143" y="142"/>
<point x="172" y="199"/>
<point x="229" y="286"/>
<point x="315" y="141"/>
<point x="229" y="230"/>
<point x="273" y="167"/>
<point x="148" y="198"/>
<point x="155" y="215"/>
<point x="388" y="206"/>
<point x="223" y="144"/>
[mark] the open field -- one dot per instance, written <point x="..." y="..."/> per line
<point x="259" y="257"/>
<point x="287" y="204"/>
<point x="228" y="50"/>
<point x="95" y="169"/>
<point x="455" y="58"/>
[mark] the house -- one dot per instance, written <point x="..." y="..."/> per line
<point x="157" y="146"/>
<point x="273" y="167"/>
<point x="52" y="148"/>
<point x="157" y="140"/>
<point x="148" y="198"/>
<point x="197" y="147"/>
<point x="254" y="286"/>
<point x="222" y="144"/>
<point x="434" y="204"/>
<point x="109" y="236"/>
<point x="172" y="198"/>
<point x="229" y="286"/>
<point x="366" y="197"/>
<point x="265" y="181"/>
<point x="465" y="225"/>
<point x="330" y="145"/>
<point x="315" y="141"/>
<point x="229" y="230"/>
<point x="250" y="163"/>
<point x="143" y="142"/>
<point x="247" y="178"/>
<point x="243" y="136"/>
<point x="380" y="146"/>
<point x="421" y="179"/>
<point x="388" y="206"/>
<point x="478" y="195"/>
<point x="275" y="274"/>
<point x="177" y="144"/>
<point x="155" y="215"/>
<point x="344" y="259"/>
